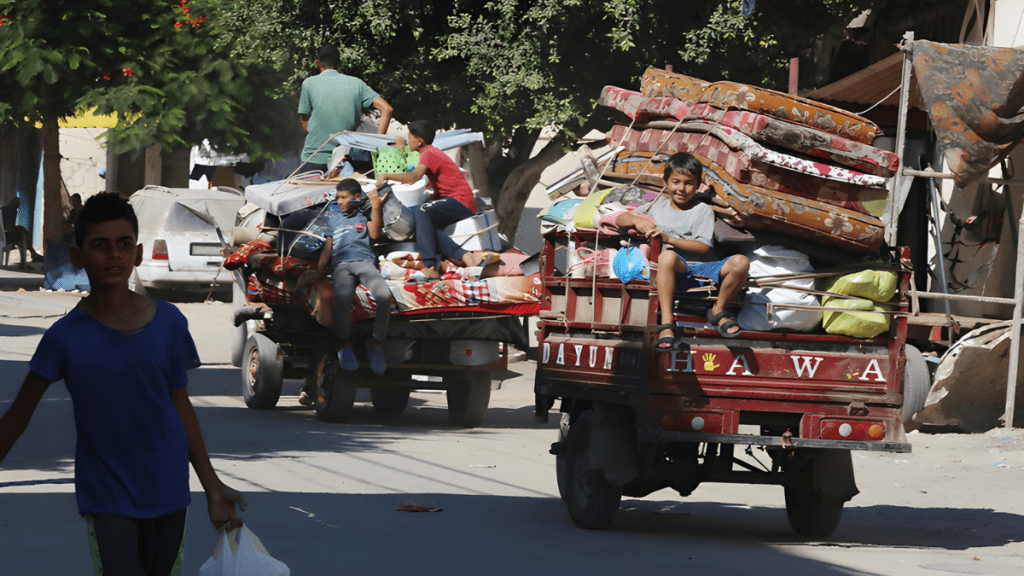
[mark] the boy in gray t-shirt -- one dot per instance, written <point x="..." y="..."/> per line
<point x="685" y="227"/>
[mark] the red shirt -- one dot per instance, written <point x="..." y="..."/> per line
<point x="445" y="177"/>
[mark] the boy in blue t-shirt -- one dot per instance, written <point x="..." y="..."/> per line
<point x="352" y="262"/>
<point x="124" y="358"/>
<point x="686" y="228"/>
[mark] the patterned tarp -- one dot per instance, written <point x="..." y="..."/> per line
<point x="974" y="96"/>
<point x="733" y="95"/>
<point x="762" y="128"/>
<point x="318" y="298"/>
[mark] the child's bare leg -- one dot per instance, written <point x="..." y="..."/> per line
<point x="733" y="275"/>
<point x="669" y="264"/>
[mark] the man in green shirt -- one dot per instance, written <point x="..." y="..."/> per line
<point x="332" y="102"/>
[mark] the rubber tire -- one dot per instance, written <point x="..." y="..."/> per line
<point x="390" y="400"/>
<point x="262" y="372"/>
<point x="238" y="341"/>
<point x="335" y="389"/>
<point x="468" y="397"/>
<point x="592" y="502"/>
<point x="241" y="335"/>
<point x="808" y="514"/>
<point x="561" y="467"/>
<point x="917" y="382"/>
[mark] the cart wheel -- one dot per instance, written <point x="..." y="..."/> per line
<point x="262" y="367"/>
<point x="561" y="467"/>
<point x="809" y="514"/>
<point x="335" y="389"/>
<point x="592" y="502"/>
<point x="917" y="382"/>
<point x="468" y="396"/>
<point x="390" y="400"/>
<point x="238" y="341"/>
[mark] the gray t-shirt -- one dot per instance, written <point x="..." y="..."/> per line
<point x="696" y="223"/>
<point x="351" y="239"/>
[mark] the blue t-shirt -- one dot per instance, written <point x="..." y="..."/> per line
<point x="351" y="238"/>
<point x="131" y="455"/>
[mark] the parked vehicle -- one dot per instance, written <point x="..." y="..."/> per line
<point x="178" y="230"/>
<point x="634" y="421"/>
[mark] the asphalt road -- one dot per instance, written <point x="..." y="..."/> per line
<point x="323" y="497"/>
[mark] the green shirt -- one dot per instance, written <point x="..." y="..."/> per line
<point x="334" y="103"/>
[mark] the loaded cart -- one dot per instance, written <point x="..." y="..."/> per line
<point x="449" y="334"/>
<point x="821" y="366"/>
<point x="634" y="420"/>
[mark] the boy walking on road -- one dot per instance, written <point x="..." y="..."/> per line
<point x="686" y="228"/>
<point x="124" y="359"/>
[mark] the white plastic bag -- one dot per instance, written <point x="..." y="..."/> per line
<point x="240" y="553"/>
<point x="775" y="261"/>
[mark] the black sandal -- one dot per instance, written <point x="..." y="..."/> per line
<point x="670" y="340"/>
<point x="723" y="329"/>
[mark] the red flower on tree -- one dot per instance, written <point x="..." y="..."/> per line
<point x="193" y="22"/>
<point x="128" y="71"/>
<point x="4" y="18"/>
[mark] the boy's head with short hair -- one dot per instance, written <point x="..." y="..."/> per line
<point x="683" y="177"/>
<point x="421" y="133"/>
<point x="345" y="192"/>
<point x="683" y="162"/>
<point x="103" y="208"/>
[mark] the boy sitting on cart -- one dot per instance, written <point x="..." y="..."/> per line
<point x="686" y="227"/>
<point x="352" y="262"/>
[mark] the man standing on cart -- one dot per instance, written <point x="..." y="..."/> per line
<point x="333" y="102"/>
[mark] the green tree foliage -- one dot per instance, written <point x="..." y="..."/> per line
<point x="152" y="62"/>
<point x="498" y="65"/>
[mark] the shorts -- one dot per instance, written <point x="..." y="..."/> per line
<point x="710" y="270"/>
<point x="143" y="547"/>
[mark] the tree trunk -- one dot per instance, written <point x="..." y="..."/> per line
<point x="518" y="185"/>
<point x="8" y="166"/>
<point x="53" y="210"/>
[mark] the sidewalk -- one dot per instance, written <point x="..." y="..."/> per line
<point x="13" y="279"/>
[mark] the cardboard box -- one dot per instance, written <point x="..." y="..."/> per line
<point x="477" y="233"/>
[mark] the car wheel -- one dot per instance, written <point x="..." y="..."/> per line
<point x="262" y="372"/>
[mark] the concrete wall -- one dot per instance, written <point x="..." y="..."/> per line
<point x="82" y="158"/>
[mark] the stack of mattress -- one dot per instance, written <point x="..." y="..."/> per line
<point x="786" y="164"/>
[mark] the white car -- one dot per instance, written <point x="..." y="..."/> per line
<point x="181" y="247"/>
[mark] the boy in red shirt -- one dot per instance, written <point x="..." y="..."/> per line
<point x="453" y="199"/>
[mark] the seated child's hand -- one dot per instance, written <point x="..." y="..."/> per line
<point x="399" y="141"/>
<point x="374" y="197"/>
<point x="380" y="180"/>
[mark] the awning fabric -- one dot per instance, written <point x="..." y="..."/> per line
<point x="974" y="96"/>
